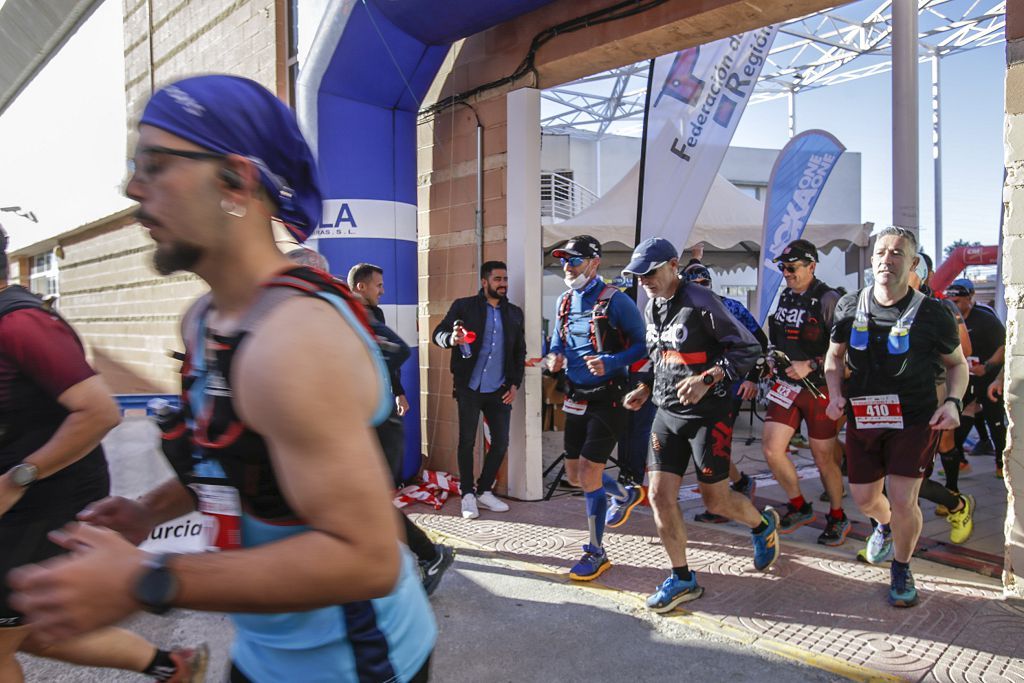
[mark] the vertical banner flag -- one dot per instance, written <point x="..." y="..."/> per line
<point x="797" y="178"/>
<point x="696" y="98"/>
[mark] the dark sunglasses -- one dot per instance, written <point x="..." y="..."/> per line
<point x="789" y="268"/>
<point x="574" y="261"/>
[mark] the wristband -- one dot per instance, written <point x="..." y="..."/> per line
<point x="956" y="402"/>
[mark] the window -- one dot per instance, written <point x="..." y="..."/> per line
<point x="43" y="274"/>
<point x="756" y="191"/>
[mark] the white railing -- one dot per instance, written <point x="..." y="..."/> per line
<point x="561" y="197"/>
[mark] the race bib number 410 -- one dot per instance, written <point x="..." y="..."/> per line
<point x="877" y="412"/>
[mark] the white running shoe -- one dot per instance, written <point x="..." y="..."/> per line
<point x="492" y="502"/>
<point x="469" y="509"/>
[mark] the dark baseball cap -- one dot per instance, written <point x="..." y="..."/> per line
<point x="583" y="246"/>
<point x="798" y="250"/>
<point x="697" y="272"/>
<point x="961" y="287"/>
<point x="650" y="254"/>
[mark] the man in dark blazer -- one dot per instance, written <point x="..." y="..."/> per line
<point x="486" y="335"/>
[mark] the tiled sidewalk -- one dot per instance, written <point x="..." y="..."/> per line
<point x="817" y="605"/>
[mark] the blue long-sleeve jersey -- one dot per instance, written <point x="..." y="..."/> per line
<point x="622" y="314"/>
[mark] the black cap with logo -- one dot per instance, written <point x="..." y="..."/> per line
<point x="583" y="246"/>
<point x="798" y="250"/>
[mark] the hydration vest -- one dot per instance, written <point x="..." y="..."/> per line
<point x="798" y="324"/>
<point x="603" y="334"/>
<point x="224" y="447"/>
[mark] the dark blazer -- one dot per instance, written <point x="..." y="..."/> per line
<point x="472" y="311"/>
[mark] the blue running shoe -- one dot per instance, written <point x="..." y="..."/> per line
<point x="593" y="563"/>
<point x="796" y="518"/>
<point x="766" y="543"/>
<point x="879" y="548"/>
<point x="674" y="592"/>
<point x="619" y="510"/>
<point x="749" y="490"/>
<point x="902" y="591"/>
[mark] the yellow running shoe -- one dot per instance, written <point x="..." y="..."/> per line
<point x="961" y="522"/>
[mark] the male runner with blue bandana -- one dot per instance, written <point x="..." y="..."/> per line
<point x="282" y="385"/>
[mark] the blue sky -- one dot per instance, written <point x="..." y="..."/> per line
<point x="858" y="113"/>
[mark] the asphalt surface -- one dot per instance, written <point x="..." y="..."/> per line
<point x="497" y="622"/>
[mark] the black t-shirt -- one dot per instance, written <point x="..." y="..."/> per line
<point x="986" y="331"/>
<point x="911" y="375"/>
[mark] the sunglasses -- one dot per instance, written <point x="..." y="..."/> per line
<point x="790" y="268"/>
<point x="147" y="164"/>
<point x="573" y="261"/>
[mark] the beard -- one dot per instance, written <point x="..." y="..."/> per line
<point x="171" y="258"/>
<point x="493" y="293"/>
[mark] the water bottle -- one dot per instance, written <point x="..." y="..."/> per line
<point x="175" y="440"/>
<point x="465" y="348"/>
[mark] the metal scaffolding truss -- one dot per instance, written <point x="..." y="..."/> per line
<point x="834" y="46"/>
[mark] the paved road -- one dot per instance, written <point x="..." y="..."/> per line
<point x="497" y="622"/>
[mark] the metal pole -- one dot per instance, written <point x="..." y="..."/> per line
<point x="937" y="155"/>
<point x="791" y="99"/>
<point x="479" y="198"/>
<point x="905" y="182"/>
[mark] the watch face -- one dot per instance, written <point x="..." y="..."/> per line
<point x="708" y="379"/>
<point x="24" y="474"/>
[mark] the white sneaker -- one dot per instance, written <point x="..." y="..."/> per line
<point x="469" y="510"/>
<point x="492" y="502"/>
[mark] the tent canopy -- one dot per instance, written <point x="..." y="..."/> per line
<point x="729" y="224"/>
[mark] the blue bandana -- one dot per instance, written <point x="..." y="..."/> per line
<point x="233" y="115"/>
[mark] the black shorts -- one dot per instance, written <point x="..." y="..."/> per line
<point x="675" y="439"/>
<point x="594" y="434"/>
<point x="23" y="541"/>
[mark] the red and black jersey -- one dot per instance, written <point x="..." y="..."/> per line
<point x="41" y="357"/>
<point x="801" y="325"/>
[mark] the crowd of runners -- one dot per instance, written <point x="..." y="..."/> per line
<point x="269" y="430"/>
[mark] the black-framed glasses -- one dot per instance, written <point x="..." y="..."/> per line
<point x="573" y="261"/>
<point x="790" y="268"/>
<point x="149" y="166"/>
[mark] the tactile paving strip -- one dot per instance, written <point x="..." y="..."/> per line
<point x="819" y="603"/>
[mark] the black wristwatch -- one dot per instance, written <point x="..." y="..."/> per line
<point x="707" y="379"/>
<point x="158" y="587"/>
<point x="957" y="402"/>
<point x="814" y="364"/>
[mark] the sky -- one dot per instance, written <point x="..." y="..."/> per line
<point x="858" y="113"/>
<point x="75" y="110"/>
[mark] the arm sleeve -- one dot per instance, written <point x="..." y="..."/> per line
<point x="842" y="318"/>
<point x="628" y="319"/>
<point x="442" y="335"/>
<point x="45" y="349"/>
<point x="741" y="348"/>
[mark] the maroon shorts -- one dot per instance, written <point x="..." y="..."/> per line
<point x="871" y="454"/>
<point x="807" y="409"/>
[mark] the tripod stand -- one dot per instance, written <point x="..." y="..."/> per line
<point x="560" y="460"/>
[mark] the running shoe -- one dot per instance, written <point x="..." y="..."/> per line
<point x="593" y="563"/>
<point x="469" y="508"/>
<point x="794" y="518"/>
<point x="799" y="441"/>
<point x="619" y="510"/>
<point x="999" y="473"/>
<point x="191" y="664"/>
<point x="961" y="522"/>
<point x="673" y="592"/>
<point x="766" y="543"/>
<point x="710" y="518"/>
<point x="879" y="548"/>
<point x="902" y="591"/>
<point x="984" y="447"/>
<point x="748" y="490"/>
<point x="492" y="502"/>
<point x="835" y="531"/>
<point x="433" y="570"/>
<point x="824" y="496"/>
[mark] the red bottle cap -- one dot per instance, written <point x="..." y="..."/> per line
<point x="470" y="337"/>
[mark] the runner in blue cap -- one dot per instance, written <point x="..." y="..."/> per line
<point x="282" y="383"/>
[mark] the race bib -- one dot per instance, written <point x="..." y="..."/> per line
<point x="222" y="516"/>
<point x="877" y="412"/>
<point x="783" y="394"/>
<point x="571" y="407"/>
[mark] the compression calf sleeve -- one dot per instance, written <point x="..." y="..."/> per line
<point x="597" y="508"/>
<point x="951" y="465"/>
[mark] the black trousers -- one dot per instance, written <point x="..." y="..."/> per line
<point x="498" y="415"/>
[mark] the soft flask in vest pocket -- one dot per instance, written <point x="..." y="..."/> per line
<point x="899" y="340"/>
<point x="859" y="332"/>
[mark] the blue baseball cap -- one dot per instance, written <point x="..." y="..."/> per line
<point x="650" y="254"/>
<point x="960" y="287"/>
<point x="697" y="272"/>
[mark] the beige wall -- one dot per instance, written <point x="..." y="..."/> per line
<point x="1013" y="275"/>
